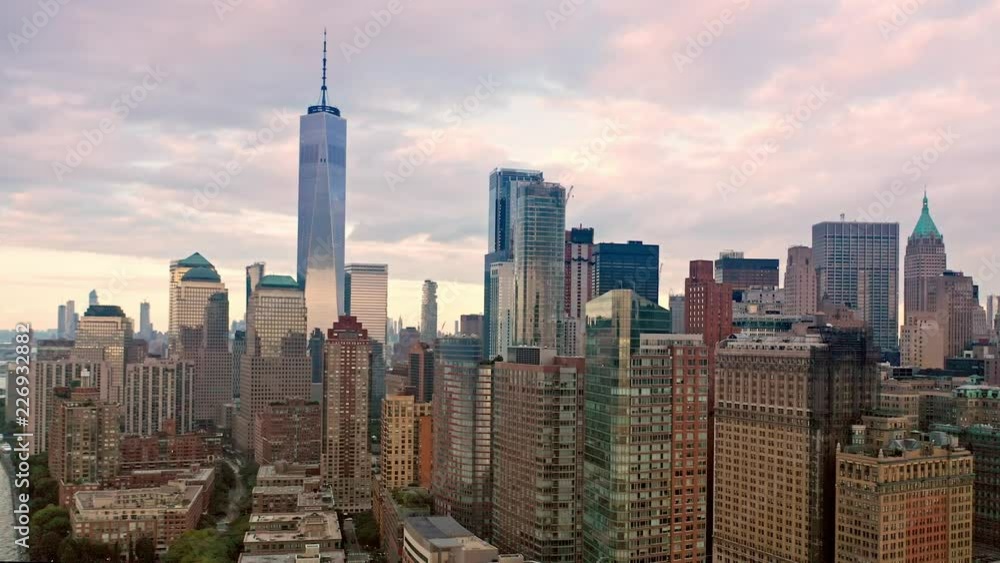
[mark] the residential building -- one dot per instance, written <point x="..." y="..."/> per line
<point x="502" y="299"/>
<point x="346" y="467"/>
<point x="291" y="532"/>
<point x="84" y="443"/>
<point x="922" y="341"/>
<point x="45" y="378"/>
<point x="289" y="431"/>
<point x="407" y="442"/>
<point x="155" y="392"/>
<point x="579" y="288"/>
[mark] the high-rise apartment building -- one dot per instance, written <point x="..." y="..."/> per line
<point x="344" y="463"/>
<point x="632" y="265"/>
<point x="743" y="273"/>
<point x="783" y="403"/>
<point x="462" y="479"/>
<point x="708" y="305"/>
<point x="501" y="286"/>
<point x="157" y="394"/>
<point x="645" y="462"/>
<point x="322" y="201"/>
<point x="422" y="371"/>
<point x="407" y="445"/>
<point x="925" y="260"/>
<point x="539" y="225"/>
<point x="275" y="366"/>
<point x="46" y="377"/>
<point x="922" y="341"/>
<point x="429" y="312"/>
<point x="500" y="248"/>
<point x="84" y="442"/>
<point x="800" y="282"/>
<point x="857" y="265"/>
<point x="579" y="287"/>
<point x="904" y="501"/>
<point x="105" y="335"/>
<point x="537" y="447"/>
<point x="289" y="431"/>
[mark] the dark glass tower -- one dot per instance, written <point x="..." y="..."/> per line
<point x="632" y="265"/>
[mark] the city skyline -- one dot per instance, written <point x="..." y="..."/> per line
<point x="665" y="141"/>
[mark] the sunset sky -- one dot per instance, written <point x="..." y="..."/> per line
<point x="649" y="109"/>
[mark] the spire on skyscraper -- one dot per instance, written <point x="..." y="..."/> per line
<point x="322" y="107"/>
<point x="925" y="225"/>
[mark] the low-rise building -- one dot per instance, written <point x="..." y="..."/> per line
<point x="440" y="539"/>
<point x="122" y="516"/>
<point x="168" y="449"/>
<point x="311" y="554"/>
<point x="391" y="508"/>
<point x="284" y="473"/>
<point x="292" y="532"/>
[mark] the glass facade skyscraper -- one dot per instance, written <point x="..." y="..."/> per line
<point x="857" y="265"/>
<point x="322" y="197"/>
<point x="499" y="249"/>
<point x="632" y="265"/>
<point x="539" y="237"/>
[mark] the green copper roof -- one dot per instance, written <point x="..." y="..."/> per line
<point x="201" y="274"/>
<point x="104" y="311"/>
<point x="287" y="282"/>
<point x="925" y="226"/>
<point x="196" y="260"/>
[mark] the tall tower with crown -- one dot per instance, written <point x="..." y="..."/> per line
<point x="925" y="259"/>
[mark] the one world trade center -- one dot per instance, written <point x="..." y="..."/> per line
<point x="322" y="195"/>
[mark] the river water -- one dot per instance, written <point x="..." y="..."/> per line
<point x="8" y="550"/>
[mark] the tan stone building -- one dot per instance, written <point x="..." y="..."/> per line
<point x="908" y="502"/>
<point x="922" y="341"/>
<point x="406" y="449"/>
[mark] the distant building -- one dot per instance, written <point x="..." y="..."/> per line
<point x="93" y="300"/>
<point x="290" y="431"/>
<point x="579" y="288"/>
<point x="925" y="260"/>
<point x="345" y="463"/>
<point x="429" y="312"/>
<point x="105" y="335"/>
<point x="633" y="265"/>
<point x="800" y="282"/>
<point x="678" y="312"/>
<point x="470" y="325"/>
<point x="48" y="376"/>
<point x="708" y="305"/>
<point x="922" y="341"/>
<point x="422" y="371"/>
<point x="864" y="277"/>
<point x="539" y="233"/>
<point x="501" y="315"/>
<point x="408" y="336"/>
<point x="145" y="325"/>
<point x="369" y="297"/>
<point x="879" y="490"/>
<point x="744" y="273"/>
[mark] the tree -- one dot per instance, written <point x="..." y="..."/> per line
<point x="199" y="546"/>
<point x="82" y="550"/>
<point x="51" y="526"/>
<point x="366" y="530"/>
<point x="145" y="550"/>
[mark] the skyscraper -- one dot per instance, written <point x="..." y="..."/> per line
<point x="406" y="449"/>
<point x="800" y="282"/>
<point x="579" y="287"/>
<point x="255" y="272"/>
<point x="189" y="310"/>
<point x="925" y="259"/>
<point x="344" y="463"/>
<point x="857" y="265"/>
<point x="470" y="325"/>
<point x="71" y="319"/>
<point x="322" y="197"/>
<point x="157" y="391"/>
<point x="782" y="406"/>
<point x="633" y="265"/>
<point x="61" y="321"/>
<point x="213" y="384"/>
<point x="678" y="310"/>
<point x="645" y="458"/>
<point x="429" y="312"/>
<point x="462" y="478"/>
<point x="500" y="237"/>
<point x="84" y="445"/>
<point x="501" y="287"/>
<point x="145" y="326"/>
<point x="708" y="305"/>
<point x="952" y="296"/>
<point x="369" y="297"/>
<point x="105" y="334"/>
<point x="422" y="371"/>
<point x="537" y="447"/>
<point x="539" y="225"/>
<point x="743" y="273"/>
<point x="275" y="366"/>
<point x="93" y="298"/>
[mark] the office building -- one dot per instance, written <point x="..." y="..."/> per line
<point x="783" y="404"/>
<point x="61" y="321"/>
<point x="275" y="366"/>
<point x="800" y="282"/>
<point x="255" y="272"/>
<point x="145" y="325"/>
<point x="93" y="299"/>
<point x="189" y="311"/>
<point x="213" y="385"/>
<point x="105" y="335"/>
<point x="708" y="307"/>
<point x="537" y="446"/>
<point x="922" y="341"/>
<point x="678" y="313"/>
<point x="345" y="466"/>
<point x="539" y="225"/>
<point x="428" y="312"/>
<point x="407" y="445"/>
<point x="421" y="371"/>
<point x="857" y="265"/>
<point x="984" y="442"/>
<point x="322" y="201"/>
<point x="904" y="501"/>
<point x="952" y="296"/>
<point x="470" y="325"/>
<point x="632" y="265"/>
<point x="369" y="297"/>
<point x="645" y="498"/>
<point x="503" y="183"/>
<point x="462" y="477"/>
<point x="289" y="431"/>
<point x="925" y="260"/>
<point x="238" y="348"/>
<point x="158" y="392"/>
<point x="84" y="442"/>
<point x="743" y="273"/>
<point x="501" y="286"/>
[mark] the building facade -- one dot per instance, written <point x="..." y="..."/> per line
<point x="288" y="431"/>
<point x="800" y="282"/>
<point x="857" y="265"/>
<point x="925" y="260"/>
<point x="158" y="392"/>
<point x="744" y="273"/>
<point x="84" y="442"/>
<point x="632" y="265"/>
<point x="579" y="288"/>
<point x="708" y="305"/>
<point x="105" y="335"/>
<point x="539" y="225"/>
<point x="422" y="371"/>
<point x="407" y="445"/>
<point x="344" y="463"/>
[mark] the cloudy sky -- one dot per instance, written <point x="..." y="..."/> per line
<point x="699" y="126"/>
